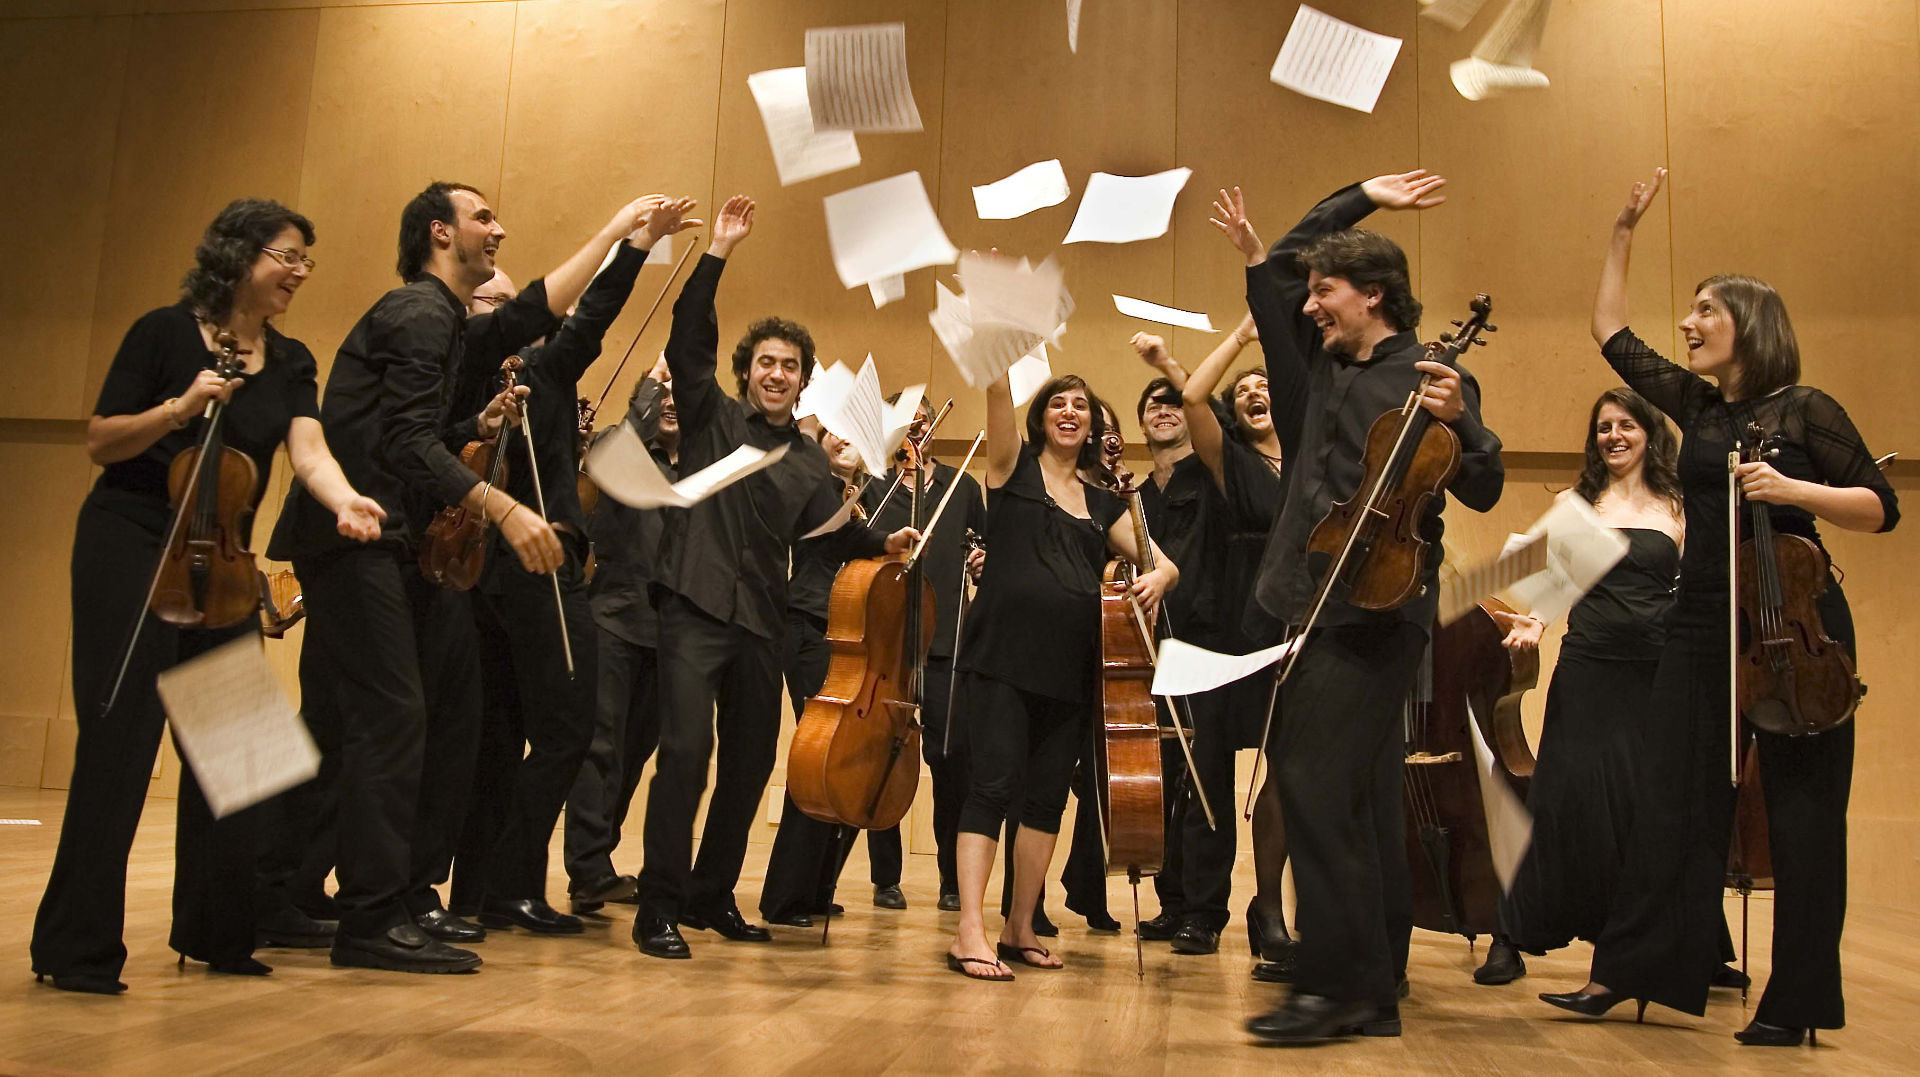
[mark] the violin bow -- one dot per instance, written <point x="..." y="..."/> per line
<point x="1174" y="703"/>
<point x="934" y="520"/>
<point x="918" y="447"/>
<point x="540" y="498"/>
<point x="1733" y="616"/>
<point x="644" y="322"/>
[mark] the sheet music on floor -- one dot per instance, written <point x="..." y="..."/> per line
<point x="884" y="229"/>
<point x="1334" y="61"/>
<point x="857" y="78"/>
<point x="1184" y="669"/>
<point x="621" y="466"/>
<point x="800" y="152"/>
<point x="1509" y="824"/>
<point x="237" y="728"/>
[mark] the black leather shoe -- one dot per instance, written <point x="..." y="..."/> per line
<point x="406" y="948"/>
<point x="728" y="924"/>
<point x="291" y="929"/>
<point x="1159" y="929"/>
<point x="949" y="903"/>
<point x="320" y="905"/>
<point x="1592" y="1005"/>
<point x="1196" y="938"/>
<point x="1760" y="1034"/>
<point x="533" y="914"/>
<point x="1384" y="1022"/>
<point x="1728" y="976"/>
<point x="84" y="982"/>
<point x="1044" y="927"/>
<point x="1267" y="938"/>
<point x="889" y="897"/>
<point x="590" y="896"/>
<point x="791" y="919"/>
<point x="1311" y="1019"/>
<point x="1103" y="923"/>
<point x="657" y="937"/>
<point x="1275" y="972"/>
<point x="447" y="927"/>
<point x="1503" y="965"/>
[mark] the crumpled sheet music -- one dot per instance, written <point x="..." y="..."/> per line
<point x="1029" y="374"/>
<point x="1184" y="669"/>
<point x="1036" y="186"/>
<point x="1503" y="60"/>
<point x="857" y="78"/>
<point x="1330" y="60"/>
<point x="236" y="727"/>
<point x="1126" y="209"/>
<point x="887" y="290"/>
<point x="862" y="416"/>
<point x="1509" y="824"/>
<point x="988" y="332"/>
<point x="1581" y="548"/>
<point x="884" y="229"/>
<point x="1154" y="312"/>
<point x="799" y="151"/>
<point x="621" y="466"/>
<point x="829" y="383"/>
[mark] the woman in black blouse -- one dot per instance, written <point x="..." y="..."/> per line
<point x="250" y="262"/>
<point x="1660" y="941"/>
<point x="1030" y="651"/>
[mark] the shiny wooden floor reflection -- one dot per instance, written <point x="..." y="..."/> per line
<point x="875" y="1000"/>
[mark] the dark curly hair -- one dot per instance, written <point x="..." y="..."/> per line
<point x="1096" y="408"/>
<point x="228" y="249"/>
<point x="1229" y="415"/>
<point x="1659" y="468"/>
<point x="771" y="329"/>
<point x="1367" y="260"/>
<point x="416" y="224"/>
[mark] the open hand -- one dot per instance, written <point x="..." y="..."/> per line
<point x="1418" y="189"/>
<point x="1230" y="216"/>
<point x="359" y="519"/>
<point x="1523" y="632"/>
<point x="664" y="218"/>
<point x="733" y="225"/>
<point x="1639" y="199"/>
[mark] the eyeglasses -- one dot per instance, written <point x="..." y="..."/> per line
<point x="290" y="259"/>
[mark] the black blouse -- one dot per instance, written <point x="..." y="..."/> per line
<point x="1624" y="617"/>
<point x="159" y="359"/>
<point x="1818" y="443"/>
<point x="1035" y="623"/>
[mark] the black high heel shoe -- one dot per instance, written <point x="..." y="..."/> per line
<point x="1267" y="938"/>
<point x="1592" y="1005"/>
<point x="232" y="966"/>
<point x="85" y="983"/>
<point x="1760" y="1034"/>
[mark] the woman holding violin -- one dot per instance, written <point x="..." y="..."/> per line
<point x="1583" y="791"/>
<point x="1742" y="371"/>
<point x="1030" y="650"/>
<point x="250" y="262"/>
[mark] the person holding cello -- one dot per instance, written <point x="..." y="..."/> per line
<point x="1030" y="653"/>
<point x="1336" y="317"/>
<point x="251" y="261"/>
<point x="1742" y="370"/>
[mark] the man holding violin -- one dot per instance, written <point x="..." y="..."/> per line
<point x="722" y="593"/>
<point x="1336" y="316"/>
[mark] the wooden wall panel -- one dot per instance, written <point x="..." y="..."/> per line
<point x="1534" y="182"/>
<point x="786" y="267"/>
<point x="61" y="80"/>
<point x="1796" y="158"/>
<point x="402" y="96"/>
<point x="573" y="158"/>
<point x="38" y="516"/>
<point x="1018" y="97"/>
<point x="189" y="144"/>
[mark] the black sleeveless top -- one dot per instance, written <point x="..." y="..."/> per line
<point x="1035" y="623"/>
<point x="1624" y="617"/>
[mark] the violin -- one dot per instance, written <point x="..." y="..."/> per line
<point x="207" y="577"/>
<point x="1791" y="678"/>
<point x="1471" y="678"/>
<point x="455" y="548"/>
<point x="583" y="484"/>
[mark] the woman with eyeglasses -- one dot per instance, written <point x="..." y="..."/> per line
<point x="250" y="262"/>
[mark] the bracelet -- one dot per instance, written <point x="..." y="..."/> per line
<point x="173" y="413"/>
<point x="509" y="512"/>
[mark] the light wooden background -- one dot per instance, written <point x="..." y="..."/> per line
<point x="1791" y="128"/>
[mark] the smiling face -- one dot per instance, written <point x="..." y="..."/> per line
<point x="270" y="281"/>
<point x="1621" y="439"/>
<point x="842" y="457"/>
<point x="1710" y="332"/>
<point x="1252" y="406"/>
<point x="1348" y="317"/>
<point x="475" y="236"/>
<point x="1164" y="424"/>
<point x="773" y="377"/>
<point x="1067" y="420"/>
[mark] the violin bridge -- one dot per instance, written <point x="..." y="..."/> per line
<point x="1428" y="759"/>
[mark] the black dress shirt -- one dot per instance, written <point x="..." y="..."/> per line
<point x="946" y="556"/>
<point x="626" y="540"/>
<point x="728" y="555"/>
<point x="1324" y="405"/>
<point x="1188" y="519"/>
<point x="386" y="410"/>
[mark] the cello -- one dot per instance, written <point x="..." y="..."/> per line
<point x="1471" y="678"/>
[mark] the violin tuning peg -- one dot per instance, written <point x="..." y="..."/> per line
<point x="1446" y="338"/>
<point x="1456" y="323"/>
<point x="1493" y="329"/>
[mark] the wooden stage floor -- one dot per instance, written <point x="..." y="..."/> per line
<point x="876" y="1000"/>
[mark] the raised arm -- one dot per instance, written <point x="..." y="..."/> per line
<point x="694" y="341"/>
<point x="1003" y="434"/>
<point x="1203" y="423"/>
<point x="570" y="278"/>
<point x="1610" y="301"/>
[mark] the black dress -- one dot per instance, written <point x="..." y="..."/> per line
<point x="1661" y="941"/>
<point x="1582" y="794"/>
<point x="117" y="540"/>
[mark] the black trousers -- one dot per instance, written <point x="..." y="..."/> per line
<point x="804" y="867"/>
<point x="78" y="929"/>
<point x="626" y="728"/>
<point x="1019" y="744"/>
<point x="500" y="742"/>
<point x="402" y="655"/>
<point x="1338" y="754"/>
<point x="1199" y="856"/>
<point x="943" y="746"/>
<point x="296" y="829"/>
<point x="719" y="683"/>
<point x="1084" y="875"/>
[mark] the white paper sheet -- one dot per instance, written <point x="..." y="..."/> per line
<point x="1452" y="14"/>
<point x="863" y="417"/>
<point x="835" y="522"/>
<point x="824" y="390"/>
<point x="1503" y="60"/>
<point x="1581" y="548"/>
<point x="1477" y="80"/>
<point x="981" y="357"/>
<point x="1073" y="26"/>
<point x="1126" y="209"/>
<point x="621" y="466"/>
<point x="887" y="290"/>
<point x="883" y="229"/>
<point x="236" y="727"/>
<point x="1184" y="669"/>
<point x="1027" y="376"/>
<point x="1004" y="294"/>
<point x="799" y="151"/>
<point x="1036" y="186"/>
<point x="1462" y="590"/>
<point x="857" y="78"/>
<point x="1509" y="824"/>
<point x="1330" y="60"/>
<point x="1154" y="312"/>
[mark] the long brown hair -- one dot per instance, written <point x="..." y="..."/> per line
<point x="1659" y="465"/>
<point x="1763" y="337"/>
<point x="1096" y="425"/>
